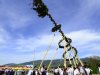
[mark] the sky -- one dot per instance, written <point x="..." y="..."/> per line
<point x="25" y="37"/>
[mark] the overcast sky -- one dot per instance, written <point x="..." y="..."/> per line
<point x="23" y="33"/>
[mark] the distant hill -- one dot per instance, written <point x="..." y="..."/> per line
<point x="46" y="62"/>
<point x="10" y="64"/>
<point x="95" y="57"/>
<point x="92" y="61"/>
<point x="55" y="62"/>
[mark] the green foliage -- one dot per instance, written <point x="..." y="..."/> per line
<point x="40" y="8"/>
<point x="93" y="63"/>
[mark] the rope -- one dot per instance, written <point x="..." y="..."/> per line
<point x="46" y="52"/>
<point x="65" y="48"/>
<point x="52" y="59"/>
<point x="69" y="59"/>
<point x="73" y="58"/>
<point x="65" y="57"/>
<point x="78" y="59"/>
<point x="33" y="59"/>
<point x="64" y="51"/>
<point x="74" y="63"/>
<point x="60" y="62"/>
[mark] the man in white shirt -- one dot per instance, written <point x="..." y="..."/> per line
<point x="70" y="70"/>
<point x="88" y="70"/>
<point x="60" y="70"/>
<point x="43" y="70"/>
<point x="56" y="71"/>
<point x="82" y="69"/>
<point x="77" y="72"/>
<point x="30" y="72"/>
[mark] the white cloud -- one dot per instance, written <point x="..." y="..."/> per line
<point x="83" y="40"/>
<point x="14" y="58"/>
<point x="96" y="47"/>
<point x="20" y="58"/>
<point x="89" y="55"/>
<point x="84" y="37"/>
<point x="4" y="37"/>
<point x="29" y="44"/>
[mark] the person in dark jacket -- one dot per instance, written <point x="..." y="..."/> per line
<point x="12" y="72"/>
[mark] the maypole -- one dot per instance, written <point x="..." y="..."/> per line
<point x="42" y="11"/>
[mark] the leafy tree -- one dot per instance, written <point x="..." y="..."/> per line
<point x="93" y="63"/>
